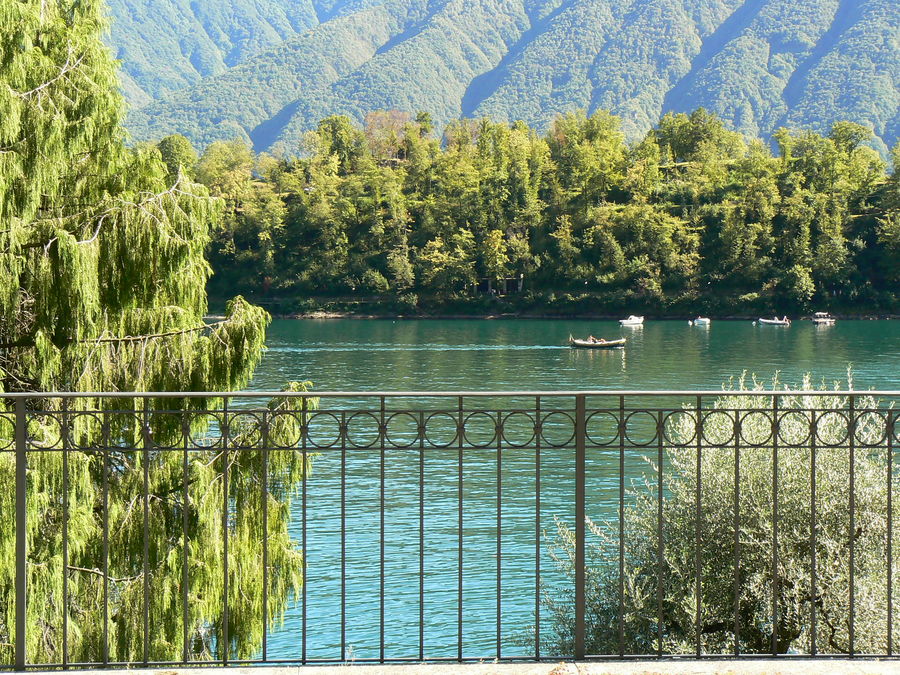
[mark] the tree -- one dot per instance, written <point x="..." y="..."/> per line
<point x="889" y="238"/>
<point x="337" y="137"/>
<point x="494" y="255"/>
<point x="448" y="267"/>
<point x="589" y="153"/>
<point x="178" y="155"/>
<point x="226" y="169"/>
<point x="763" y="578"/>
<point x="384" y="131"/>
<point x="102" y="288"/>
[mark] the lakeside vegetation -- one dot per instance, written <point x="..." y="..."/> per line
<point x="103" y="277"/>
<point x="692" y="218"/>
<point x="779" y="579"/>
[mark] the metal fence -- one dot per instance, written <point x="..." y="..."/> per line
<point x="292" y="527"/>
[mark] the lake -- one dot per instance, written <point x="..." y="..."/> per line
<point x="420" y="355"/>
<point x="443" y="355"/>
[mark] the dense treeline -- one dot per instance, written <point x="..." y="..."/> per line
<point x="692" y="216"/>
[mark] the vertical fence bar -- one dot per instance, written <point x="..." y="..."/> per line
<point x="106" y="443"/>
<point x="225" y="617"/>
<point x="537" y="527"/>
<point x="185" y="509"/>
<point x="146" y="553"/>
<point x="621" y="628"/>
<point x="889" y="429"/>
<point x="499" y="434"/>
<point x="776" y="428"/>
<point x="265" y="537"/>
<point x="460" y="438"/>
<point x="851" y="439"/>
<point x="698" y="432"/>
<point x="813" y="599"/>
<point x="21" y="533"/>
<point x="343" y="433"/>
<point x="737" y="532"/>
<point x="382" y="432"/>
<point x="660" y="542"/>
<point x="64" y="428"/>
<point x="421" y="432"/>
<point x="304" y="437"/>
<point x="580" y="442"/>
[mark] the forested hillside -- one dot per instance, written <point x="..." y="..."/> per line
<point x="691" y="218"/>
<point x="272" y="68"/>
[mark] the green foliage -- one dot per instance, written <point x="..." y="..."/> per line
<point x="103" y="288"/>
<point x="690" y="214"/>
<point x="186" y="494"/>
<point x="151" y="39"/>
<point x="756" y="64"/>
<point x="759" y="583"/>
<point x="178" y="155"/>
<point x="75" y="199"/>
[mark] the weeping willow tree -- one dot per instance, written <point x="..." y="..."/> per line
<point x="102" y="288"/>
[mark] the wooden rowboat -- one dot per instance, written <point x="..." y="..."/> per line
<point x="596" y="344"/>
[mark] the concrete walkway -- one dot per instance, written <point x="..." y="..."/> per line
<point x="730" y="667"/>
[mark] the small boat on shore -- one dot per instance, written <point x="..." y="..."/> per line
<point x="632" y="321"/>
<point x="823" y="319"/>
<point x="700" y="321"/>
<point x="596" y="343"/>
<point x="775" y="322"/>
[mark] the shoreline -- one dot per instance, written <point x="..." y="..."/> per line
<point x="325" y="315"/>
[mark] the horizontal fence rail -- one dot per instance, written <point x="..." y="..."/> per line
<point x="306" y="527"/>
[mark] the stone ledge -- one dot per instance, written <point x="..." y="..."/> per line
<point x="666" y="667"/>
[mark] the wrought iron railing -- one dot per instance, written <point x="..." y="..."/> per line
<point x="445" y="526"/>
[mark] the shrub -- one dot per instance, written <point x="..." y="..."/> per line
<point x="760" y="579"/>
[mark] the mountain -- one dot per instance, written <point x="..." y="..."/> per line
<point x="268" y="70"/>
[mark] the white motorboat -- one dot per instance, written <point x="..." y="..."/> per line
<point x="632" y="321"/>
<point x="775" y="322"/>
<point x="823" y="319"/>
<point x="700" y="321"/>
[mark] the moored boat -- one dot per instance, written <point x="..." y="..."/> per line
<point x="823" y="319"/>
<point x="632" y="321"/>
<point x="596" y="343"/>
<point x="775" y="322"/>
<point x="700" y="321"/>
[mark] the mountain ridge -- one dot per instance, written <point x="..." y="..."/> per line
<point x="758" y="64"/>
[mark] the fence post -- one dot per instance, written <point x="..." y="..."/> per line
<point x="21" y="531"/>
<point x="580" y="437"/>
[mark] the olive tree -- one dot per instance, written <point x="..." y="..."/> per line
<point x="787" y="532"/>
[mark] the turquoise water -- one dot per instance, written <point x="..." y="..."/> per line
<point x="531" y="354"/>
<point x="436" y="355"/>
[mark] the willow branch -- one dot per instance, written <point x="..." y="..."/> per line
<point x="99" y="573"/>
<point x="139" y="338"/>
<point x="28" y="342"/>
<point x="68" y="66"/>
